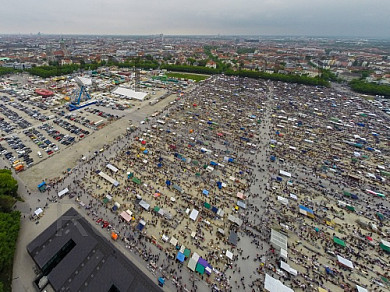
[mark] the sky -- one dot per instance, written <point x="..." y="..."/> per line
<point x="356" y="18"/>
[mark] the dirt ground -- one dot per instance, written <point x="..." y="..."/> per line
<point x="52" y="167"/>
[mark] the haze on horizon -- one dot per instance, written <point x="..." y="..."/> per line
<point x="356" y="18"/>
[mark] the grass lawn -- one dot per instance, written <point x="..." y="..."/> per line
<point x="195" y="77"/>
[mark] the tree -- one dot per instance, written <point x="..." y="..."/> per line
<point x="6" y="203"/>
<point x="9" y="230"/>
<point x="8" y="185"/>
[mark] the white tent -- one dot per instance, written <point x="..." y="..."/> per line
<point x="63" y="192"/>
<point x="273" y="285"/>
<point x="129" y="212"/>
<point x="278" y="240"/>
<point x="284" y="173"/>
<point x="345" y="262"/>
<point x="194" y="214"/>
<point x="220" y="230"/>
<point x="229" y="254"/>
<point x="287" y="268"/>
<point x="112" y="167"/>
<point x="129" y="93"/>
<point x="164" y="238"/>
<point x="220" y="212"/>
<point x="361" y="289"/>
<point x="173" y="241"/>
<point x="38" y="211"/>
<point x="241" y="204"/>
<point x="195" y="256"/>
<point x="144" y="205"/>
<point x="236" y="220"/>
<point x="192" y="264"/>
<point x="108" y="178"/>
<point x="293" y="196"/>
<point x="284" y="201"/>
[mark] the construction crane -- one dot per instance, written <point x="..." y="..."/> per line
<point x="81" y="97"/>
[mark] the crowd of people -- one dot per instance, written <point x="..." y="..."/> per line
<point x="219" y="150"/>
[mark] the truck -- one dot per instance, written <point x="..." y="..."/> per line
<point x="39" y="154"/>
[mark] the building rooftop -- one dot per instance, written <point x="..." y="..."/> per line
<point x="75" y="257"/>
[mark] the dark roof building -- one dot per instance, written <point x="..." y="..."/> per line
<point x="75" y="257"/>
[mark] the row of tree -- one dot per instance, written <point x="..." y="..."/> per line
<point x="5" y="71"/>
<point x="370" y="88"/>
<point x="290" y="78"/>
<point x="9" y="227"/>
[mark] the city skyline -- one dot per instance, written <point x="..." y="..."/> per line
<point x="359" y="18"/>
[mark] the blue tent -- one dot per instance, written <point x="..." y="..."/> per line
<point x="161" y="281"/>
<point x="230" y="160"/>
<point x="128" y="152"/>
<point x="213" y="163"/>
<point x="140" y="226"/>
<point x="180" y="256"/>
<point x="160" y="159"/>
<point x="214" y="209"/>
<point x="328" y="271"/>
<point x="205" y="192"/>
<point x="146" y="151"/>
<point x="159" y="165"/>
<point x="168" y="182"/>
<point x="41" y="185"/>
<point x="306" y="209"/>
<point x="219" y="184"/>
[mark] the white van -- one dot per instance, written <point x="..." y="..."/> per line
<point x="39" y="154"/>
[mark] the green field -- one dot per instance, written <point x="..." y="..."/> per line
<point x="195" y="77"/>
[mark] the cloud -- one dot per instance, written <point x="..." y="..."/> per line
<point x="251" y="17"/>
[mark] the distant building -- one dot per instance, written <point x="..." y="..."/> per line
<point x="211" y="64"/>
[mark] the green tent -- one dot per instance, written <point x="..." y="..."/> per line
<point x="351" y="208"/>
<point x="385" y="245"/>
<point x="380" y="215"/>
<point x="385" y="173"/>
<point x="199" y="268"/>
<point x="187" y="252"/>
<point x="338" y="241"/>
<point x="136" y="180"/>
<point x="195" y="162"/>
<point x="197" y="174"/>
<point x="347" y="194"/>
<point x="206" y="205"/>
<point x="156" y="209"/>
<point x="105" y="200"/>
<point x="205" y="166"/>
